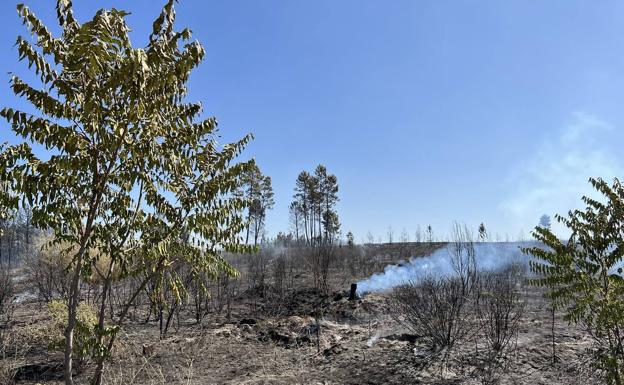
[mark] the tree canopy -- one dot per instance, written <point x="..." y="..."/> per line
<point x="584" y="273"/>
<point x="314" y="206"/>
<point x="132" y="169"/>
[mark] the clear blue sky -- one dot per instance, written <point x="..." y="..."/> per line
<point x="427" y="111"/>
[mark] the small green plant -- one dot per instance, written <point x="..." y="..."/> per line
<point x="85" y="335"/>
<point x="584" y="274"/>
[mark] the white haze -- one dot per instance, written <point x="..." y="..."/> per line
<point x="555" y="174"/>
<point x="488" y="256"/>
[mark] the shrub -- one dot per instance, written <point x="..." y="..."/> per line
<point x="499" y="309"/>
<point x="584" y="273"/>
<point x="279" y="267"/>
<point x="320" y="259"/>
<point x="48" y="270"/>
<point x="7" y="291"/>
<point x="85" y="335"/>
<point x="258" y="273"/>
<point x="433" y="308"/>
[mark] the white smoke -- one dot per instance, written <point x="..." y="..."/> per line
<point x="371" y="341"/>
<point x="488" y="256"/>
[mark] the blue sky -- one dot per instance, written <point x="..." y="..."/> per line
<point x="427" y="111"/>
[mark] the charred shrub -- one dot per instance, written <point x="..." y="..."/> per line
<point x="48" y="273"/>
<point x="434" y="309"/>
<point x="499" y="310"/>
<point x="6" y="288"/>
<point x="279" y="269"/>
<point x="320" y="259"/>
<point x="360" y="260"/>
<point x="258" y="273"/>
<point x="7" y="291"/>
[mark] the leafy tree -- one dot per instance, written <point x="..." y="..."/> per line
<point x="133" y="172"/>
<point x="5" y="201"/>
<point x="584" y="273"/>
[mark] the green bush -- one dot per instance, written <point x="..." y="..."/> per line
<point x="584" y="273"/>
<point x="86" y="329"/>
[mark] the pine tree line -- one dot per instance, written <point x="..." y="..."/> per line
<point x="313" y="212"/>
<point x="257" y="189"/>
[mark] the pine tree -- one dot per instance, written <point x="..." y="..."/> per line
<point x="258" y="191"/>
<point x="544" y="221"/>
<point x="295" y="215"/>
<point x="315" y="198"/>
<point x="261" y="204"/>
<point x="328" y="197"/>
<point x="303" y="198"/>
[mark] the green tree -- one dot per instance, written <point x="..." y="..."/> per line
<point x="315" y="197"/>
<point x="544" y="221"/>
<point x="295" y="214"/>
<point x="262" y="202"/>
<point x="304" y="196"/>
<point x="258" y="190"/>
<point x="584" y="272"/>
<point x="132" y="170"/>
<point x="328" y="197"/>
<point x="5" y="202"/>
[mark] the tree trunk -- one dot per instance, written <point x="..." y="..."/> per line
<point x="9" y="249"/>
<point x="97" y="376"/>
<point x="297" y="227"/>
<point x="552" y="332"/>
<point x="74" y="292"/>
<point x="320" y="222"/>
<point x="74" y="295"/>
<point x="247" y="235"/>
<point x="27" y="231"/>
<point x="256" y="230"/>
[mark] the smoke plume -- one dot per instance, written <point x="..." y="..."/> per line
<point x="488" y="256"/>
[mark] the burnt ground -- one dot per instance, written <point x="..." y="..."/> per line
<point x="352" y="342"/>
<point x="284" y="350"/>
